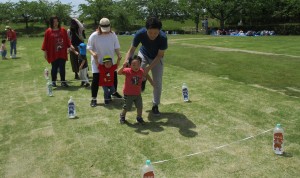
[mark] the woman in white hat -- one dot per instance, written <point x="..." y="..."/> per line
<point x="101" y="43"/>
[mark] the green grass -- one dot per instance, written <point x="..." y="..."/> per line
<point x="234" y="95"/>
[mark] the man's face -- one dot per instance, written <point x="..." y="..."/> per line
<point x="152" y="33"/>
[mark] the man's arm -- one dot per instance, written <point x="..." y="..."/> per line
<point x="156" y="60"/>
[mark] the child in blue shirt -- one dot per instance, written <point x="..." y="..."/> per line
<point x="83" y="67"/>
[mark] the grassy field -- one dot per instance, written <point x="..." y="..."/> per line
<point x="240" y="88"/>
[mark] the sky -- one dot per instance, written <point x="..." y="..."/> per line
<point x="74" y="3"/>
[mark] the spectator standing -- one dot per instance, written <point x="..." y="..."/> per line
<point x="11" y="36"/>
<point x="205" y="25"/>
<point x="154" y="43"/>
<point x="75" y="34"/>
<point x="102" y="42"/>
<point x="3" y="49"/>
<point x="55" y="47"/>
<point x="83" y="67"/>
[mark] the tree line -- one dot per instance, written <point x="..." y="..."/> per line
<point x="126" y="13"/>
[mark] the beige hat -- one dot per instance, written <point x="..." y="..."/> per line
<point x="104" y="25"/>
<point x="7" y="27"/>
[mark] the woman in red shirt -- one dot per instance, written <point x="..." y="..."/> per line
<point x="55" y="47"/>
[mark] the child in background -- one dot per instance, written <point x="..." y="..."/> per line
<point x="3" y="49"/>
<point x="132" y="87"/>
<point x="83" y="67"/>
<point x="106" y="79"/>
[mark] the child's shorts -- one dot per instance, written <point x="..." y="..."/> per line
<point x="129" y="99"/>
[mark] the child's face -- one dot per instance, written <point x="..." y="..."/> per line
<point x="108" y="64"/>
<point x="135" y="65"/>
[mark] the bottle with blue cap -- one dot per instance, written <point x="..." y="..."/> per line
<point x="185" y="92"/>
<point x="148" y="170"/>
<point x="71" y="108"/>
<point x="278" y="140"/>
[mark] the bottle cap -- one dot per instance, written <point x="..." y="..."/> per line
<point x="278" y="125"/>
<point x="148" y="162"/>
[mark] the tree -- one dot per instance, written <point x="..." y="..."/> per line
<point x="223" y="9"/>
<point x="63" y="11"/>
<point x="25" y="10"/>
<point x="6" y="10"/>
<point x="96" y="9"/>
<point x="44" y="11"/>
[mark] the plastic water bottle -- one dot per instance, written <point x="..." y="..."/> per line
<point x="185" y="92"/>
<point x="71" y="108"/>
<point x="49" y="88"/>
<point x="148" y="170"/>
<point x="278" y="140"/>
<point x="46" y="73"/>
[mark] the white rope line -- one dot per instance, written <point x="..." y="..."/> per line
<point x="212" y="149"/>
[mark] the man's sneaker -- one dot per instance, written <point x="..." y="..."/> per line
<point x="82" y="83"/>
<point x="155" y="110"/>
<point x="93" y="103"/>
<point x="116" y="94"/>
<point x="140" y="120"/>
<point x="87" y="85"/>
<point x="143" y="85"/>
<point x="54" y="84"/>
<point x="64" y="84"/>
<point x="122" y="119"/>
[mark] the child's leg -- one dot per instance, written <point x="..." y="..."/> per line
<point x="106" y="93"/>
<point x="85" y="77"/>
<point x="111" y="91"/>
<point x="139" y="105"/>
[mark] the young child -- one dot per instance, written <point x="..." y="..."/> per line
<point x="132" y="87"/>
<point x="106" y="79"/>
<point x="3" y="49"/>
<point x="83" y="67"/>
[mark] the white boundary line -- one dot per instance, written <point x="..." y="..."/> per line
<point x="212" y="149"/>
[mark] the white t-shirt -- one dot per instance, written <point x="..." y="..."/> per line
<point x="104" y="44"/>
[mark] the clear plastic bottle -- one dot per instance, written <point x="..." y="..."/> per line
<point x="46" y="73"/>
<point x="185" y="92"/>
<point x="49" y="88"/>
<point x="71" y="108"/>
<point x="148" y="170"/>
<point x="278" y="140"/>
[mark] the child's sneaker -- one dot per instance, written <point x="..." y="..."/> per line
<point x="140" y="120"/>
<point x="122" y="119"/>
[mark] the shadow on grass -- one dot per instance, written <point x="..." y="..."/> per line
<point x="156" y="124"/>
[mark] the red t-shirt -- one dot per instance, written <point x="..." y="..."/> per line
<point x="11" y="35"/>
<point x="56" y="44"/>
<point x="106" y="75"/>
<point x="133" y="81"/>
